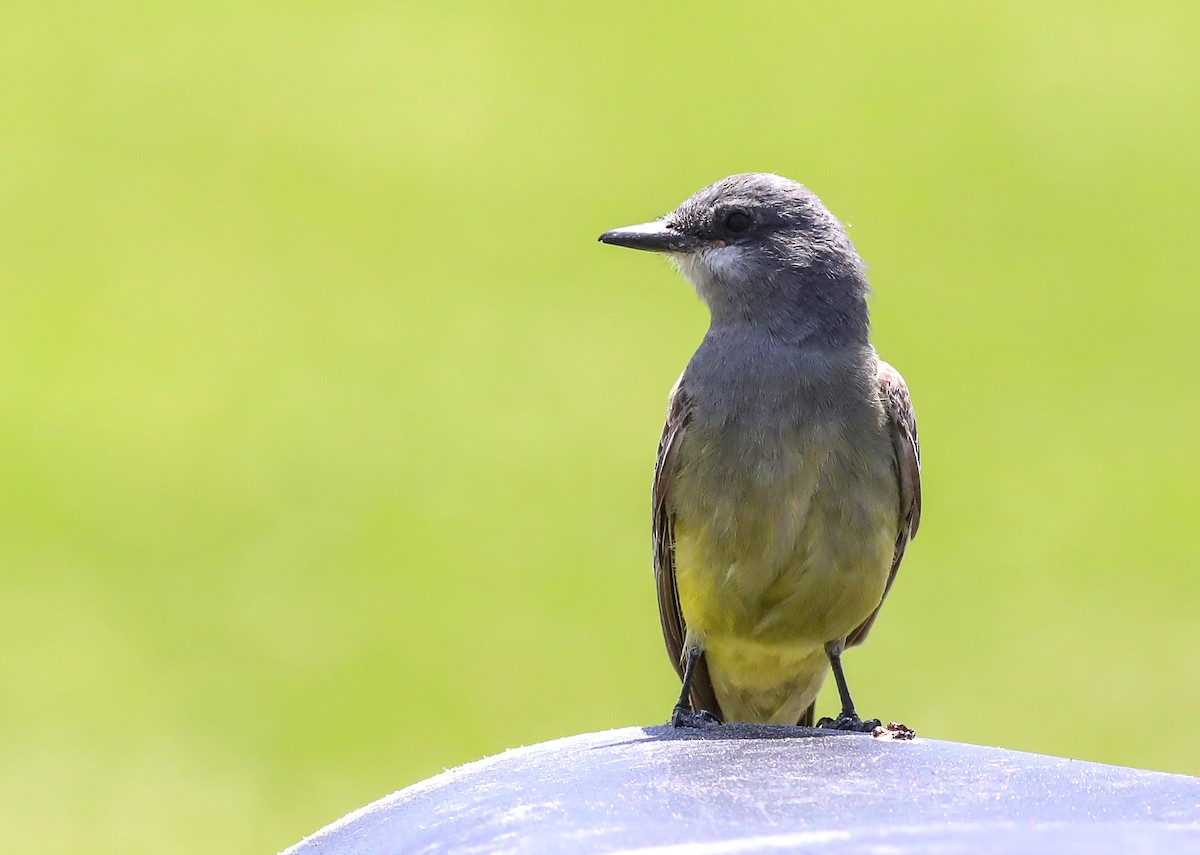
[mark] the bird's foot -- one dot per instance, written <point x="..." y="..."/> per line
<point x="849" y="722"/>
<point x="687" y="717"/>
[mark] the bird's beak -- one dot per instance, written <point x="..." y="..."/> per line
<point x="657" y="236"/>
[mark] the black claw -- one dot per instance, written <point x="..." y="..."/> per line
<point x="686" y="717"/>
<point x="849" y="722"/>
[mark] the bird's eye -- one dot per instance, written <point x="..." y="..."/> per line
<point x="737" y="221"/>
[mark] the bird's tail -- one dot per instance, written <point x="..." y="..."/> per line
<point x="808" y="716"/>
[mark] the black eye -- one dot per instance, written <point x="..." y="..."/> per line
<point x="737" y="221"/>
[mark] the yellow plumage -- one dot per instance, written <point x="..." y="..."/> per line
<point x="765" y="579"/>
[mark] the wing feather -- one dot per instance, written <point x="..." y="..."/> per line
<point x="666" y="468"/>
<point x="902" y="424"/>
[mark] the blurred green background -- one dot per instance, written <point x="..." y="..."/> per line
<point x="326" y="427"/>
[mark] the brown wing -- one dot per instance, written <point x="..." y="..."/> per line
<point x="666" y="467"/>
<point x="903" y="426"/>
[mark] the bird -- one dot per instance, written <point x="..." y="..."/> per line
<point x="787" y="483"/>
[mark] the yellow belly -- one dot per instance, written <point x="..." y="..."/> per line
<point x="767" y="579"/>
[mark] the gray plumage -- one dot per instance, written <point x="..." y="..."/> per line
<point x="787" y="482"/>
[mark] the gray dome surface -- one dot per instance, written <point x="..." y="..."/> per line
<point x="751" y="788"/>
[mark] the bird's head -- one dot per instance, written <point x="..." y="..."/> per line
<point x="756" y="244"/>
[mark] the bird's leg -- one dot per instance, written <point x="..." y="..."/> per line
<point x="848" y="719"/>
<point x="683" y="715"/>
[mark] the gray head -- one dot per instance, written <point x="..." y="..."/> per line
<point x="763" y="249"/>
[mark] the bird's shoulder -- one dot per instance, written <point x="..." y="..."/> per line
<point x="902" y="424"/>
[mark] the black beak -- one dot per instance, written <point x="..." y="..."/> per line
<point x="652" y="237"/>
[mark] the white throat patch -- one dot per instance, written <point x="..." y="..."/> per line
<point x="704" y="266"/>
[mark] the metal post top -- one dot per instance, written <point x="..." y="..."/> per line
<point x="740" y="788"/>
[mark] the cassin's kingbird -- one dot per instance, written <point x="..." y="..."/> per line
<point x="787" y="484"/>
